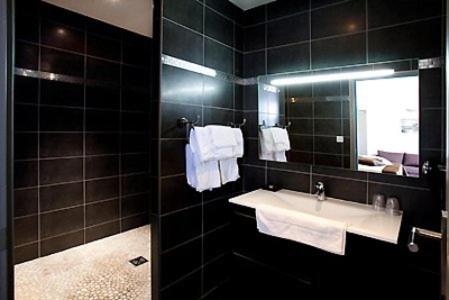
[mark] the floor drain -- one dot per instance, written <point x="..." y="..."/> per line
<point x="138" y="261"/>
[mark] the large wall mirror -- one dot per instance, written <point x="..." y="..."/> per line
<point x="365" y="120"/>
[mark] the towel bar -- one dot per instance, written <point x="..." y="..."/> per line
<point x="412" y="246"/>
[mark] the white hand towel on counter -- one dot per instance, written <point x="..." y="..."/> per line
<point x="201" y="175"/>
<point x="229" y="170"/>
<point x="280" y="138"/>
<point x="321" y="233"/>
<point x="239" y="149"/>
<point x="201" y="144"/>
<point x="223" y="141"/>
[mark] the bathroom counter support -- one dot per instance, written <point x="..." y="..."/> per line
<point x="361" y="219"/>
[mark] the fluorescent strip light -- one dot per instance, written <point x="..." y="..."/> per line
<point x="332" y="77"/>
<point x="182" y="64"/>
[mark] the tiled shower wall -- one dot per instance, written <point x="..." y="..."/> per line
<point x="82" y="139"/>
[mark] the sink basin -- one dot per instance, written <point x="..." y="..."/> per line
<point x="361" y="219"/>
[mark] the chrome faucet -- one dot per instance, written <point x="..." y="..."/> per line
<point x="320" y="191"/>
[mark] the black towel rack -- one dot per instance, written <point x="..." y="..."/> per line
<point x="188" y="124"/>
<point x="237" y="125"/>
<point x="286" y="126"/>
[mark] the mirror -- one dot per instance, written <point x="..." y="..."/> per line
<point x="366" y="120"/>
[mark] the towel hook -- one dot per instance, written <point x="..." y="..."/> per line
<point x="184" y="122"/>
<point x="286" y="126"/>
<point x="238" y="125"/>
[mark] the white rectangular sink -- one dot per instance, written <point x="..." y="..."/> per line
<point x="361" y="219"/>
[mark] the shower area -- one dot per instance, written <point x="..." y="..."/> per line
<point x="82" y="94"/>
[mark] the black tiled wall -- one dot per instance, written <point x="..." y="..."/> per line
<point x="193" y="255"/>
<point x="81" y="142"/>
<point x="315" y="36"/>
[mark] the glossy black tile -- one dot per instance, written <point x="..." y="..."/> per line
<point x="187" y="12"/>
<point x="25" y="89"/>
<point x="172" y="157"/>
<point x="134" y="142"/>
<point x="97" y="120"/>
<point x="60" y="196"/>
<point x="289" y="58"/>
<point x="216" y="116"/>
<point x="254" y="16"/>
<point x="59" y="222"/>
<point x="102" y="231"/>
<point x="181" y="86"/>
<point x="219" y="57"/>
<point x="254" y="64"/>
<point x="384" y="13"/>
<point x="61" y="119"/>
<point x="224" y="7"/>
<point x="26" y="56"/>
<point x="341" y="51"/>
<point x="218" y="93"/>
<point x="27" y="27"/>
<point x="136" y="49"/>
<point x="63" y="242"/>
<point x="216" y="214"/>
<point x="219" y="28"/>
<point x="55" y="171"/>
<point x="284" y="8"/>
<point x="133" y="205"/>
<point x="25" y="202"/>
<point x="135" y="221"/>
<point x="345" y="18"/>
<point x="301" y="126"/>
<point x="134" y="163"/>
<point x="330" y="127"/>
<point x="102" y="166"/>
<point x="171" y="187"/>
<point x="101" y="143"/>
<point x="103" y="47"/>
<point x="393" y="43"/>
<point x="254" y="38"/>
<point x="102" y="70"/>
<point x="25" y="230"/>
<point x="182" y="43"/>
<point x="180" y="261"/>
<point x="26" y="253"/>
<point x="133" y="184"/>
<point x="60" y="93"/>
<point x="25" y="174"/>
<point x="25" y="118"/>
<point x="217" y="273"/>
<point x="189" y="287"/>
<point x="289" y="180"/>
<point x="60" y="62"/>
<point x="170" y="112"/>
<point x="102" y="212"/>
<point x="289" y="30"/>
<point x="25" y="145"/>
<point x="135" y="121"/>
<point x="102" y="189"/>
<point x="190" y="220"/>
<point x="60" y="36"/>
<point x="60" y="144"/>
<point x="253" y="178"/>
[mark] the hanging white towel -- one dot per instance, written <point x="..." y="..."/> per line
<point x="223" y="141"/>
<point x="239" y="149"/>
<point x="308" y="229"/>
<point x="281" y="139"/>
<point x="201" y="144"/>
<point x="201" y="175"/>
<point x="229" y="170"/>
<point x="280" y="156"/>
<point x="266" y="142"/>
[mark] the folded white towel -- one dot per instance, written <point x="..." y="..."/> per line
<point x="201" y="144"/>
<point x="239" y="149"/>
<point x="266" y="142"/>
<point x="201" y="175"/>
<point x="223" y="141"/>
<point x="229" y="170"/>
<point x="280" y="156"/>
<point x="311" y="230"/>
<point x="280" y="138"/>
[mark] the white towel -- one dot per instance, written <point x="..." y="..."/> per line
<point x="321" y="233"/>
<point x="266" y="142"/>
<point x="201" y="175"/>
<point x="280" y="139"/>
<point x="201" y="144"/>
<point x="223" y="141"/>
<point x="239" y="149"/>
<point x="280" y="156"/>
<point x="229" y="170"/>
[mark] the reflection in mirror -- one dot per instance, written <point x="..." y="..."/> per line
<point x="364" y="121"/>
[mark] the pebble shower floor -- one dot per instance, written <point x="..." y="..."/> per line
<point x="98" y="270"/>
